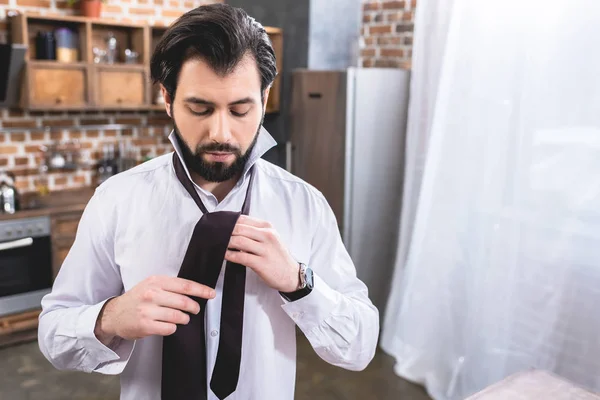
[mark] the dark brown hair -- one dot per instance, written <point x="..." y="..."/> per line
<point x="220" y="35"/>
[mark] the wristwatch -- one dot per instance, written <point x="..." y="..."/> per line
<point x="306" y="284"/>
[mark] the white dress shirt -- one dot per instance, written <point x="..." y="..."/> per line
<point x="139" y="223"/>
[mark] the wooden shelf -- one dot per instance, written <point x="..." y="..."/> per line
<point x="84" y="85"/>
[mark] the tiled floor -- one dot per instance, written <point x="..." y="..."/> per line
<point x="26" y="375"/>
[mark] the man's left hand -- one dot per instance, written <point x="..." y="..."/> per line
<point x="261" y="250"/>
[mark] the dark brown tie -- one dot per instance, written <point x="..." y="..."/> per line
<point x="184" y="373"/>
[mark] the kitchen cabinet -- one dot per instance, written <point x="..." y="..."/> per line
<point x="82" y="81"/>
<point x="63" y="230"/>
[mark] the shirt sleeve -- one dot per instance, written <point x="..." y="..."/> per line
<point x="88" y="277"/>
<point x="337" y="317"/>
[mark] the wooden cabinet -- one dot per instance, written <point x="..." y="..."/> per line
<point x="63" y="228"/>
<point x="83" y="83"/>
<point x="121" y="87"/>
<point x="52" y="86"/>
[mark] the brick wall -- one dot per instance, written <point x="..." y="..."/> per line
<point x="20" y="149"/>
<point x="387" y="33"/>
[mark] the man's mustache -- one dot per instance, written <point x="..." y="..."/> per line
<point x="217" y="147"/>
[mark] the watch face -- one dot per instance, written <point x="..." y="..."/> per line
<point x="309" y="278"/>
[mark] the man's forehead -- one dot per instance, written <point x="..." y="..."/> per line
<point x="244" y="74"/>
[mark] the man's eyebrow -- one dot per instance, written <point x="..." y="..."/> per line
<point x="199" y="101"/>
<point x="203" y="102"/>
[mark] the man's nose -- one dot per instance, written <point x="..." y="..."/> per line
<point x="219" y="127"/>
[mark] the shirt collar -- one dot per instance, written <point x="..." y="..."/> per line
<point x="263" y="144"/>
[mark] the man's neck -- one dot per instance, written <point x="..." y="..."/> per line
<point x="219" y="189"/>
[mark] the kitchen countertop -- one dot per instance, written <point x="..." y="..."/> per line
<point x="72" y="200"/>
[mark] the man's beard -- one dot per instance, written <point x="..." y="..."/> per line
<point x="214" y="171"/>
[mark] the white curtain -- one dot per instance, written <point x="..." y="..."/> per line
<point x="501" y="270"/>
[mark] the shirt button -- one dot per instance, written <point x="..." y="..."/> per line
<point x="214" y="333"/>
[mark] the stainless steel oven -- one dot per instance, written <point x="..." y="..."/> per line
<point x="25" y="263"/>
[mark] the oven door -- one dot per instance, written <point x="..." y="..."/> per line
<point x="25" y="271"/>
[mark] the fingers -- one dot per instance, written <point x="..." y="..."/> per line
<point x="158" y="328"/>
<point x="249" y="231"/>
<point x="185" y="286"/>
<point x="249" y="260"/>
<point x="242" y="243"/>
<point x="175" y="301"/>
<point x="168" y="315"/>
<point x="258" y="223"/>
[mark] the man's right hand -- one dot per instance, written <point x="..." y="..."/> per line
<point x="153" y="307"/>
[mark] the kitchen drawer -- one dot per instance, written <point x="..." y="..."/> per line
<point x="60" y="250"/>
<point x="57" y="87"/>
<point x="65" y="225"/>
<point x="120" y="87"/>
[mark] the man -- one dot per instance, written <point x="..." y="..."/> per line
<point x="190" y="272"/>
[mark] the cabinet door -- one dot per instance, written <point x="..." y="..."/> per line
<point x="120" y="88"/>
<point x="64" y="229"/>
<point x="52" y="87"/>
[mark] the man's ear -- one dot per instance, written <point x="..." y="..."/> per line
<point x="266" y="97"/>
<point x="168" y="100"/>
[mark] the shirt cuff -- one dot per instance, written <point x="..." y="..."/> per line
<point x="312" y="309"/>
<point x="99" y="357"/>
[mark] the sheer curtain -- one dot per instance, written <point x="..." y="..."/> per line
<point x="501" y="270"/>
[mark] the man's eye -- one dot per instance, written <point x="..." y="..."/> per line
<point x="201" y="112"/>
<point x="239" y="113"/>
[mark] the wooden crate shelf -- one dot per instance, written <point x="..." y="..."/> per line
<point x="50" y="85"/>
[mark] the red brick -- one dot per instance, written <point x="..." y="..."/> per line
<point x="60" y="180"/>
<point x="86" y="121"/>
<point x="21" y="160"/>
<point x="405" y="28"/>
<point x="395" y="16"/>
<point x="127" y="132"/>
<point x="25" y="123"/>
<point x="367" y="63"/>
<point x="34" y="3"/>
<point x="17" y="137"/>
<point x="5" y="149"/>
<point x="159" y="120"/>
<point x="413" y="4"/>
<point x="172" y="13"/>
<point x="75" y="135"/>
<point x="394" y="5"/>
<point x="392" y="53"/>
<point x="372" y="6"/>
<point x="128" y="121"/>
<point x="110" y="133"/>
<point x="37" y="136"/>
<point x="62" y="5"/>
<point x="368" y="53"/>
<point x="159" y="2"/>
<point x="408" y="40"/>
<point x="408" y="16"/>
<point x="366" y="18"/>
<point x="387" y="63"/>
<point x="144" y="141"/>
<point x="174" y="3"/>
<point x="58" y="122"/>
<point x="380" y="29"/>
<point x="370" y="41"/>
<point x="112" y="8"/>
<point x="79" y="179"/>
<point x="142" y="11"/>
<point x="25" y="172"/>
<point x="92" y="134"/>
<point x="3" y="162"/>
<point x="57" y="136"/>
<point x="389" y="41"/>
<point x="86" y="145"/>
<point x="32" y="149"/>
<point x="188" y="4"/>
